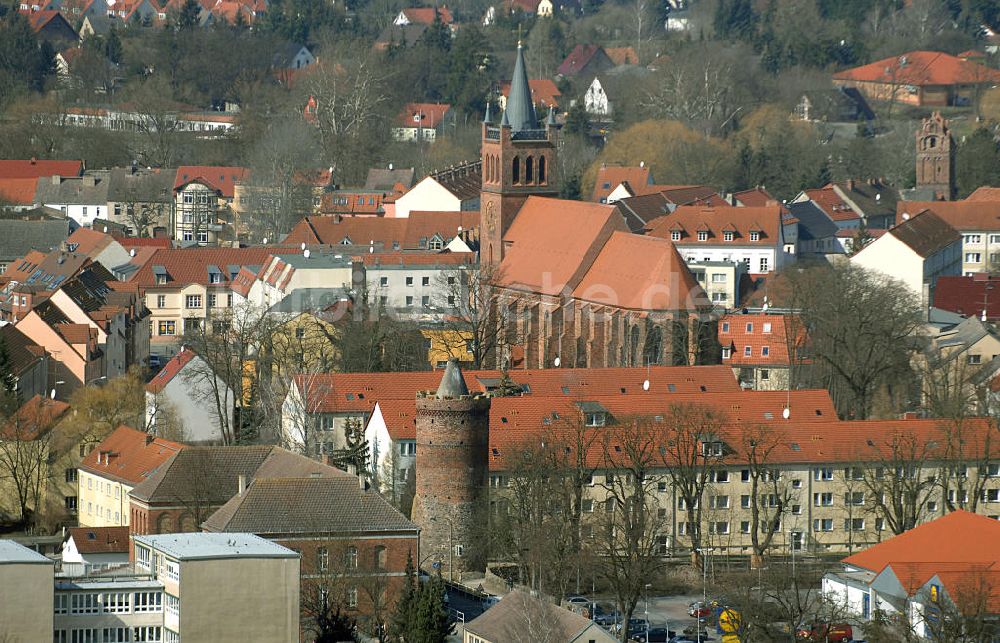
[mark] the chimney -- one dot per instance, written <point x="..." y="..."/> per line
<point x="56" y="179"/>
<point x="149" y="439"/>
<point x="89" y="181"/>
<point x="850" y="185"/>
<point x="362" y="483"/>
<point x="241" y="482"/>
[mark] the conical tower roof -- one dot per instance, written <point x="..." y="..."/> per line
<point x="520" y="112"/>
<point x="452" y="382"/>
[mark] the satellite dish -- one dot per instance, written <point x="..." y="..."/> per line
<point x="645" y="385"/>
<point x="906" y="216"/>
<point x="264" y="241"/>
<point x="764" y="307"/>
<point x="787" y="413"/>
<point x="53" y="394"/>
<point x="105" y="229"/>
<point x="303" y="246"/>
<point x="878" y="197"/>
<point x="557" y="362"/>
<point x="131" y="252"/>
<point x="371" y="249"/>
<point x="305" y="253"/>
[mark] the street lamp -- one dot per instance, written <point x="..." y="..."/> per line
<point x="704" y="587"/>
<point x="645" y="608"/>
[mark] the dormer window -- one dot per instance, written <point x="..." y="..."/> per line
<point x="714" y="448"/>
<point x="702" y="235"/>
<point x="675" y="235"/>
<point x="728" y="235"/>
<point x="755" y="236"/>
<point x="596" y="419"/>
<point x="726" y="352"/>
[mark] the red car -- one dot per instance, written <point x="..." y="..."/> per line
<point x="826" y="632"/>
<point x="702" y="610"/>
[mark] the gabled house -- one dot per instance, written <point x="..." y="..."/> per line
<point x="852" y="203"/>
<point x="90" y="550"/>
<point x="141" y="200"/>
<point x="610" y="178"/>
<point x="544" y="93"/>
<point x="182" y="394"/>
<point x="76" y="357"/>
<point x="52" y="27"/>
<point x="585" y="60"/>
<point x="423" y="16"/>
<point x="292" y="55"/>
<point x="922" y="78"/>
<point x="203" y="196"/>
<point x="516" y="617"/>
<point x="756" y="236"/>
<point x="422" y="121"/>
<point x="763" y="349"/>
<point x="837" y="105"/>
<point x="82" y="199"/>
<point x="101" y="247"/>
<point x="28" y="363"/>
<point x="112" y="468"/>
<point x="978" y="221"/>
<point x="915" y="252"/>
<point x="595" y="100"/>
<point x="942" y="571"/>
<point x="19" y="237"/>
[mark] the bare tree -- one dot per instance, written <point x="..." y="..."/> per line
<point x="24" y="453"/>
<point x="631" y="525"/>
<point x="770" y="497"/>
<point x="479" y="324"/>
<point x="156" y="142"/>
<point x="899" y="479"/>
<point x="970" y="458"/>
<point x="691" y="452"/>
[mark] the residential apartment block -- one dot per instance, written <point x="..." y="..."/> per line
<point x="978" y="221"/>
<point x="112" y="469"/>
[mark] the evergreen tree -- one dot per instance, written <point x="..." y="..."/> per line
<point x="577" y="120"/>
<point x="8" y="383"/>
<point x="113" y="47"/>
<point x="469" y="72"/>
<point x="432" y="624"/>
<point x="403" y="618"/>
<point x="977" y="162"/>
<point x="187" y="18"/>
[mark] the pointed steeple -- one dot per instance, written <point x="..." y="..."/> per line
<point x="551" y="121"/>
<point x="452" y="382"/>
<point x="520" y="112"/>
<point x="488" y="118"/>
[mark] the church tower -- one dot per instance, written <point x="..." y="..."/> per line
<point x="936" y="157"/>
<point x="452" y="465"/>
<point x="519" y="159"/>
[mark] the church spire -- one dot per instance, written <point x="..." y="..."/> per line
<point x="520" y="112"/>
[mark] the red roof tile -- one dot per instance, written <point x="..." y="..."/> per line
<point x="622" y="55"/>
<point x="958" y="537"/>
<point x="35" y="168"/>
<point x="425" y="15"/>
<point x="426" y="115"/>
<point x="610" y="177"/>
<point x="100" y="540"/>
<point x="965" y="216"/>
<point x="543" y="92"/>
<point x="386" y="233"/>
<point x="640" y="273"/>
<point x="689" y="220"/>
<point x="984" y="193"/>
<point x="827" y="200"/>
<point x="554" y="242"/>
<point x="129" y="456"/>
<point x="579" y="58"/>
<point x="190" y="265"/>
<point x="18" y="191"/>
<point x="170" y="370"/>
<point x="220" y="178"/>
<point x="967" y="295"/>
<point x="144" y="242"/>
<point x="33" y="418"/>
<point x="921" y="68"/>
<point x="89" y="242"/>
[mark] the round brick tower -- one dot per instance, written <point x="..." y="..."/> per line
<point x="452" y="464"/>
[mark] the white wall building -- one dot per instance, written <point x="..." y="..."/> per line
<point x="595" y="101"/>
<point x="183" y="389"/>
<point x="428" y="195"/>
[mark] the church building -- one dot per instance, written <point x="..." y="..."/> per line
<point x="572" y="285"/>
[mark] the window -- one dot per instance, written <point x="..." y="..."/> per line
<point x="712" y="449"/>
<point x="854" y="524"/>
<point x="974" y="238"/>
<point x="71" y="475"/>
<point x="142" y="557"/>
<point x="725" y="327"/>
<point x="975" y="359"/>
<point x="84" y="635"/>
<point x="763" y="264"/>
<point x="116" y="602"/>
<point x="719" y="277"/>
<point x="229" y="300"/>
<point x="675" y="235"/>
<point x="972" y="257"/>
<point x="84" y="604"/>
<point x="425" y="281"/>
<point x="161" y="301"/>
<point x="322" y="559"/>
<point x="702" y="235"/>
<point x="211" y="301"/>
<point x="70" y="503"/>
<point x="991" y="495"/>
<point x="719" y="297"/>
<point x="728" y="235"/>
<point x="192" y="301"/>
<point x="352" y="598"/>
<point x="595" y="419"/>
<point x="148" y="601"/>
<point x="187" y="235"/>
<point x="173" y="570"/>
<point x="351" y="557"/>
<point x="719" y="476"/>
<point x="409" y="281"/>
<point x="380" y="557"/>
<point x="60" y="604"/>
<point x="587" y="506"/>
<point x="167" y="328"/>
<point x="744" y="526"/>
<point x="824" y="473"/>
<point x="823" y="499"/>
<point x="146" y="634"/>
<point x="747" y="351"/>
<point x="720" y="502"/>
<point x="661" y="486"/>
<point x="823" y="524"/>
<point x="854" y="498"/>
<point x="720" y="527"/>
<point x="726" y="352"/>
<point x="408" y="448"/>
<point x="116" y="635"/>
<point x="745" y="501"/>
<point x="993" y="470"/>
<point x="854" y="473"/>
<point x="383" y="281"/>
<point x="754" y="236"/>
<point x="765" y="374"/>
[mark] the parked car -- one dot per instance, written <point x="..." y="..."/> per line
<point x="607" y="618"/>
<point x="687" y="638"/>
<point x="826" y="632"/>
<point x="654" y="635"/>
<point x="579" y="601"/>
<point x="699" y="609"/>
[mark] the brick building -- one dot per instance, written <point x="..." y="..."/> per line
<point x="352" y="542"/>
<point x="189" y="487"/>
